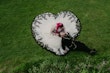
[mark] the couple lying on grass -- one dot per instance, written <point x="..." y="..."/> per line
<point x="67" y="41"/>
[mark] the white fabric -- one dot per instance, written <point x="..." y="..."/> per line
<point x="43" y="24"/>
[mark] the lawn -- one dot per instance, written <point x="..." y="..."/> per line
<point x="19" y="53"/>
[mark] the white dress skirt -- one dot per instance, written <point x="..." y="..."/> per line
<point x="43" y="23"/>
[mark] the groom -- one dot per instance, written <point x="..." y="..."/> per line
<point x="67" y="41"/>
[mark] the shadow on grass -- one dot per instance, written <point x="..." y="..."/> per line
<point x="81" y="47"/>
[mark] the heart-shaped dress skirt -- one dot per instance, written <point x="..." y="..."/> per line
<point x="41" y="29"/>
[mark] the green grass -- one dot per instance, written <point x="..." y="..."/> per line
<point x="18" y="49"/>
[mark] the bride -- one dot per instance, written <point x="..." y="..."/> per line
<point x="56" y="33"/>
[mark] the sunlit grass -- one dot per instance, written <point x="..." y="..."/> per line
<point x="18" y="47"/>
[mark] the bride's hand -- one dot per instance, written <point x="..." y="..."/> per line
<point x="62" y="34"/>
